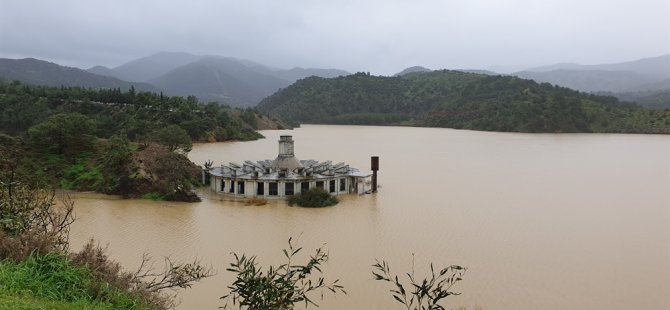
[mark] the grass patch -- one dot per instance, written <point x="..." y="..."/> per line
<point x="313" y="198"/>
<point x="152" y="196"/>
<point x="26" y="302"/>
<point x="51" y="281"/>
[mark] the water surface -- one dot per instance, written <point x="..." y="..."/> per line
<point x="542" y="221"/>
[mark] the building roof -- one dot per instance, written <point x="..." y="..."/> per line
<point x="286" y="166"/>
<point x="286" y="163"/>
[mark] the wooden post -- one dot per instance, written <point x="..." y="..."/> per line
<point x="375" y="167"/>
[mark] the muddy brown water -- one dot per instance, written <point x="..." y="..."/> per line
<point x="541" y="221"/>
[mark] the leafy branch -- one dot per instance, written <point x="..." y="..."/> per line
<point x="278" y="287"/>
<point x="424" y="294"/>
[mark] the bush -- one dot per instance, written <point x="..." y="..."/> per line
<point x="152" y="196"/>
<point x="313" y="198"/>
<point x="280" y="287"/>
<point x="420" y="294"/>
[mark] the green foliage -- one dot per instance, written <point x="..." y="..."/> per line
<point x="35" y="263"/>
<point x="116" y="165"/>
<point x="83" y="139"/>
<point x="152" y="196"/>
<point x="173" y="138"/>
<point x="25" y="302"/>
<point x="459" y="100"/>
<point x="420" y="294"/>
<point x="279" y="287"/>
<point x="82" y="176"/>
<point x="66" y="133"/>
<point x="113" y="112"/>
<point x="53" y="277"/>
<point x="313" y="198"/>
<point x="169" y="174"/>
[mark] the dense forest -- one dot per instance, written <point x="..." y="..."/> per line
<point x="461" y="100"/>
<point x="129" y="143"/>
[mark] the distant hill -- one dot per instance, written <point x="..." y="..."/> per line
<point x="238" y="82"/>
<point x="39" y="72"/>
<point x="104" y="71"/>
<point x="461" y="100"/>
<point x="414" y="69"/>
<point x="297" y="73"/>
<point x="653" y="67"/>
<point x="228" y="80"/>
<point x="220" y="79"/>
<point x="478" y="71"/>
<point x="151" y="67"/>
<point x="652" y="99"/>
<point x="633" y="76"/>
<point x="591" y="80"/>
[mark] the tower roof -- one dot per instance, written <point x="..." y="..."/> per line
<point x="286" y="159"/>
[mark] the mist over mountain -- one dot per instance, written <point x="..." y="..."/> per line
<point x="632" y="76"/>
<point x="220" y="79"/>
<point x="237" y="82"/>
<point x="591" y="80"/>
<point x="653" y="67"/>
<point x="298" y="73"/>
<point x="241" y="82"/>
<point x="40" y="72"/>
<point x="152" y="67"/>
<point x="104" y="71"/>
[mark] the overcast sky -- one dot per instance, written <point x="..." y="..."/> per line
<point x="382" y="37"/>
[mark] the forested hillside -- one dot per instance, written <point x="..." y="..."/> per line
<point x="126" y="143"/>
<point x="456" y="99"/>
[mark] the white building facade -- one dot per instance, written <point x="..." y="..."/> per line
<point x="286" y="176"/>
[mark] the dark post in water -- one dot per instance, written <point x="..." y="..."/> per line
<point x="375" y="167"/>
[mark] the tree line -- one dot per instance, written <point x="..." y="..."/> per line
<point x="455" y="99"/>
<point x="111" y="141"/>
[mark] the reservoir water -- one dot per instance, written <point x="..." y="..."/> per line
<point x="541" y="221"/>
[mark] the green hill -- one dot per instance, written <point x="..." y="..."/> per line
<point x="456" y="99"/>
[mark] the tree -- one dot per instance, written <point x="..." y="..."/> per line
<point x="313" y="198"/>
<point x="424" y="294"/>
<point x="116" y="163"/>
<point x="67" y="133"/>
<point x="174" y="138"/>
<point x="279" y="288"/>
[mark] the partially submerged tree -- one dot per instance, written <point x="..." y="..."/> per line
<point x="281" y="287"/>
<point x="420" y="294"/>
<point x="313" y="198"/>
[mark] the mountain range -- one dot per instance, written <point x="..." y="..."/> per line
<point x="40" y="72"/>
<point x="645" y="81"/>
<point x="231" y="81"/>
<point x="640" y="75"/>
<point x="239" y="82"/>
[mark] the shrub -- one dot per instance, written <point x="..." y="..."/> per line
<point x="279" y="287"/>
<point x="313" y="198"/>
<point x="420" y="294"/>
<point x="152" y="196"/>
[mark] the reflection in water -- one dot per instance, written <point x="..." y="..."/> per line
<point x="541" y="221"/>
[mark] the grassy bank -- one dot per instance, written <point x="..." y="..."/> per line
<point x="52" y="281"/>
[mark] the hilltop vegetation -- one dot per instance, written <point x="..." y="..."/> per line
<point x="459" y="100"/>
<point x="114" y="142"/>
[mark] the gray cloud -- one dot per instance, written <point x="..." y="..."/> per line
<point x="382" y="37"/>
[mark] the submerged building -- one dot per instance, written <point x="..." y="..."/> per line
<point x="286" y="175"/>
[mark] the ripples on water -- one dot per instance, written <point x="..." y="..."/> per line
<point x="569" y="221"/>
